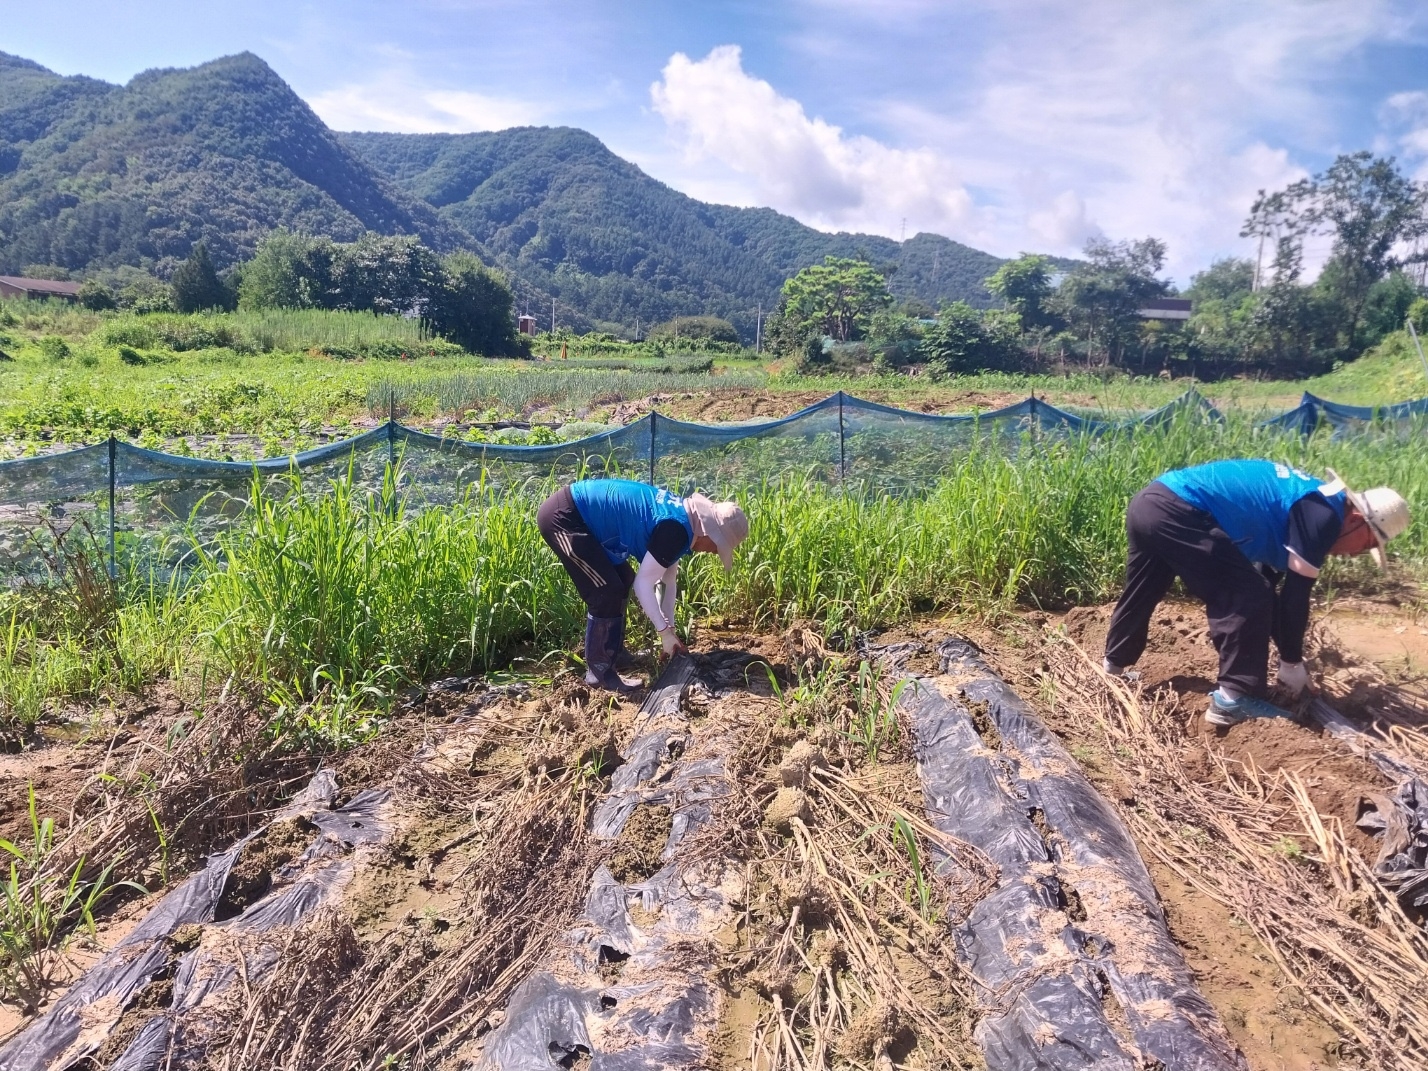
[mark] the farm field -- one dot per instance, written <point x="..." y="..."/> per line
<point x="245" y="386"/>
<point x="351" y="715"/>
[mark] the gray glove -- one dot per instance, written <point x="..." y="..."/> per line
<point x="1293" y="677"/>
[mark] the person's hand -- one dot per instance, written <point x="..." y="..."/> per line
<point x="1293" y="677"/>
<point x="669" y="640"/>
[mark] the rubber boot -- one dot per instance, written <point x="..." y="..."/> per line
<point x="600" y="656"/>
<point x="622" y="659"/>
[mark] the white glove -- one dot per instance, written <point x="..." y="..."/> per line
<point x="669" y="640"/>
<point x="1293" y="677"/>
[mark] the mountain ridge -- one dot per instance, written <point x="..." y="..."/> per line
<point x="95" y="175"/>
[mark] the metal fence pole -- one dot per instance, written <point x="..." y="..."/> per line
<point x="391" y="429"/>
<point x="842" y="450"/>
<point x="653" y="417"/>
<point x="113" y="481"/>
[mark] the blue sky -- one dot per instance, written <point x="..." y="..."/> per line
<point x="1008" y="125"/>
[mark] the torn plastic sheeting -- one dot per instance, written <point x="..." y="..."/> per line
<point x="309" y="882"/>
<point x="1401" y="819"/>
<point x="1360" y="743"/>
<point x="79" y="1021"/>
<point x="1170" y="1020"/>
<point x="652" y="1018"/>
<point x="1043" y="1008"/>
<point x="662" y="718"/>
<point x="83" y="1018"/>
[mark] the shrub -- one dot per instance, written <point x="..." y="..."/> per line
<point x="54" y="347"/>
<point x="129" y="355"/>
<point x="129" y="332"/>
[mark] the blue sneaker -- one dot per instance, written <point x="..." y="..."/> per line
<point x="1226" y="711"/>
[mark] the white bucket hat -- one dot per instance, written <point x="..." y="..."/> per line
<point x="1383" y="508"/>
<point x="723" y="522"/>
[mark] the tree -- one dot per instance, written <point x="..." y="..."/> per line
<point x="472" y="307"/>
<point x="961" y="342"/>
<point x="837" y="298"/>
<point x="712" y="328"/>
<point x="395" y="276"/>
<point x="195" y="285"/>
<point x="1024" y="285"/>
<point x="289" y="271"/>
<point x="1230" y="279"/>
<point x="1371" y="210"/>
<point x="1101" y="299"/>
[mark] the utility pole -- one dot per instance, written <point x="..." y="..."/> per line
<point x="637" y="328"/>
<point x="552" y="316"/>
<point x="759" y="329"/>
<point x="1258" y="264"/>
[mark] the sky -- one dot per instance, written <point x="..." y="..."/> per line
<point x="1010" y="125"/>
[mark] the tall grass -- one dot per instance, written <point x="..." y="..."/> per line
<point x="517" y="390"/>
<point x="325" y="605"/>
<point x="300" y="329"/>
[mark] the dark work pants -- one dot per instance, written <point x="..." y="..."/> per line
<point x="603" y="585"/>
<point x="1169" y="538"/>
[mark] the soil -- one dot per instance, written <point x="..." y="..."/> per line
<point x="639" y="851"/>
<point x="1370" y="658"/>
<point x="458" y="755"/>
<point x="750" y="403"/>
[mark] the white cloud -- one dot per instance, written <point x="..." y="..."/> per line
<point x="806" y="167"/>
<point x="1406" y="116"/>
<point x="1034" y="124"/>
<point x="401" y="103"/>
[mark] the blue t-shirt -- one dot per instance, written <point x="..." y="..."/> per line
<point x="1251" y="501"/>
<point x="622" y="515"/>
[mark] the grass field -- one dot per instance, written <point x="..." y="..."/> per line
<point x="333" y="602"/>
<point x="287" y="379"/>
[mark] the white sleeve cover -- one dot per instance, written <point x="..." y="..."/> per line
<point x="651" y="573"/>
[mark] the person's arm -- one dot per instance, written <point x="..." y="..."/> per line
<point x="1313" y="528"/>
<point x="659" y="611"/>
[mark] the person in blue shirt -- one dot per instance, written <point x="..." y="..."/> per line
<point x="1248" y="539"/>
<point x="597" y="527"/>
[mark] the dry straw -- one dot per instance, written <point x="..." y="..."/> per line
<point x="1331" y="928"/>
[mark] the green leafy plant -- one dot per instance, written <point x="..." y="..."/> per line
<point x="919" y="891"/>
<point x="43" y="899"/>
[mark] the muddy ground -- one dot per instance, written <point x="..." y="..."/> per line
<point x="469" y="765"/>
<point x="1372" y="661"/>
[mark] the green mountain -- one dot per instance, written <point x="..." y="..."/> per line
<point x="568" y="218"/>
<point x="94" y="175"/>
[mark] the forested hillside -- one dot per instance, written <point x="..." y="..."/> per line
<point x="94" y="176"/>
<point x="570" y="218"/>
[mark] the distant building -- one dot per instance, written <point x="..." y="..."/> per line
<point x="1166" y="308"/>
<point x="15" y="286"/>
<point x="526" y="325"/>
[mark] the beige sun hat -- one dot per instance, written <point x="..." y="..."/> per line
<point x="1383" y="508"/>
<point x="723" y="522"/>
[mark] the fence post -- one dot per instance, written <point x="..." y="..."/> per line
<point x="842" y="454"/>
<point x="391" y="429"/>
<point x="113" y="480"/>
<point x="653" y="417"/>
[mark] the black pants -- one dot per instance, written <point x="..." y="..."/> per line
<point x="603" y="585"/>
<point x="1170" y="538"/>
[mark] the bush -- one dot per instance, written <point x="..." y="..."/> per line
<point x="687" y="328"/>
<point x="54" y="347"/>
<point x="127" y="332"/>
<point x="97" y="297"/>
<point x="129" y="355"/>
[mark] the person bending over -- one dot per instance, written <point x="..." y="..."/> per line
<point x="596" y="527"/>
<point x="1248" y="539"/>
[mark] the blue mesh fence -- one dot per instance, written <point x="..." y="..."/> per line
<point x="123" y="491"/>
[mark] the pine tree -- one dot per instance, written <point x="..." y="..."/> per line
<point x="196" y="285"/>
